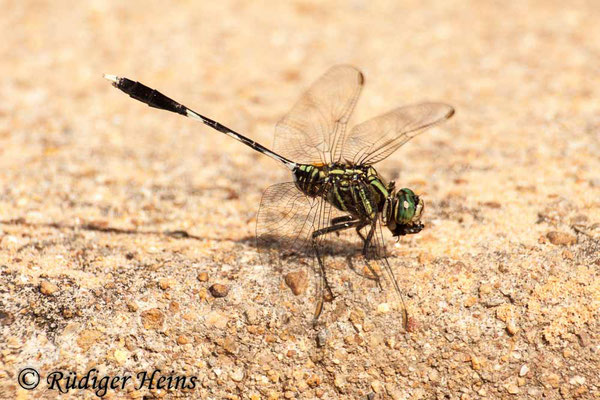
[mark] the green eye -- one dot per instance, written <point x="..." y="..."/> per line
<point x="406" y="204"/>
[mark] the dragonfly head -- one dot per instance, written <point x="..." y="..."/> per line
<point x="402" y="213"/>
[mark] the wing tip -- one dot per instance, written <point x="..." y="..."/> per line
<point x="349" y="68"/>
<point x="447" y="110"/>
<point x="361" y="78"/>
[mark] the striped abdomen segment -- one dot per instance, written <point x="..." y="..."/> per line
<point x="309" y="179"/>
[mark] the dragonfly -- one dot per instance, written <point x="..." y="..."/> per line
<point x="335" y="187"/>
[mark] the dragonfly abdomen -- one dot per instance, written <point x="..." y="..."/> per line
<point x="309" y="179"/>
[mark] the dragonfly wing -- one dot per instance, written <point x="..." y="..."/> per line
<point x="285" y="220"/>
<point x="377" y="138"/>
<point x="313" y="131"/>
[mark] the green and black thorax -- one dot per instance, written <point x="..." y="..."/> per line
<point x="361" y="192"/>
<point x="356" y="189"/>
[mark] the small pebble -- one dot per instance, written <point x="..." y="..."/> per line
<point x="390" y="342"/>
<point x="87" y="338"/>
<point x="230" y="345"/>
<point x="485" y="289"/>
<point x="584" y="339"/>
<point x="182" y="339"/>
<point x="524" y="370"/>
<point x="252" y="317"/>
<point x="297" y="281"/>
<point x="237" y="375"/>
<point x="164" y="284"/>
<point x="47" y="288"/>
<point x="577" y="380"/>
<point x="512" y="389"/>
<point x="314" y="380"/>
<point x="561" y="238"/>
<point x="6" y="318"/>
<point x="322" y="337"/>
<point x="568" y="254"/>
<point x="218" y="290"/>
<point x="339" y="382"/>
<point x="383" y="308"/>
<point x="552" y="380"/>
<point x="174" y="307"/>
<point x="376" y="386"/>
<point x="470" y="301"/>
<point x="476" y="363"/>
<point x="492" y="204"/>
<point x="153" y="319"/>
<point x="121" y="356"/>
<point x="202" y="277"/>
<point x="512" y="328"/>
<point x="433" y="375"/>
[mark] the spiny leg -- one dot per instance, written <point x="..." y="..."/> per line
<point x="358" y="228"/>
<point x="366" y="244"/>
<point x="324" y="283"/>
<point x="367" y="240"/>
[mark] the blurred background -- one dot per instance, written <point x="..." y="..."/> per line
<point x="92" y="182"/>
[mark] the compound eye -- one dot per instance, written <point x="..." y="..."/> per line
<point x="405" y="206"/>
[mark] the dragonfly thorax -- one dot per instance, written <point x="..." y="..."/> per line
<point x="354" y="189"/>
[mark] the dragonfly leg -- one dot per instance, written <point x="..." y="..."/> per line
<point x="337" y="227"/>
<point x="324" y="283"/>
<point x="345" y="218"/>
<point x="388" y="268"/>
<point x="358" y="228"/>
<point x="366" y="240"/>
<point x="366" y="244"/>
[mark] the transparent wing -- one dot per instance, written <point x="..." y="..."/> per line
<point x="312" y="132"/>
<point x="286" y="219"/>
<point x="377" y="138"/>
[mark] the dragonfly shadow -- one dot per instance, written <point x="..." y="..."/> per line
<point x="346" y="251"/>
<point x="304" y="247"/>
<point x="177" y="234"/>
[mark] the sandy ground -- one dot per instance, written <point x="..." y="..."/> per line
<point x="502" y="285"/>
